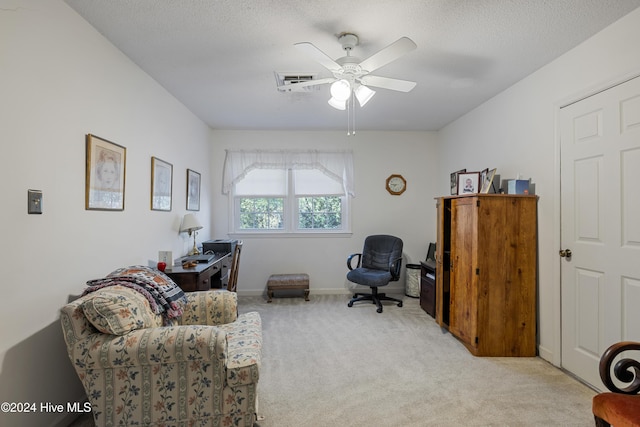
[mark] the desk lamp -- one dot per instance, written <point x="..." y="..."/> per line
<point x="190" y="224"/>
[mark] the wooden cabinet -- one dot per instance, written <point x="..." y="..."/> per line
<point x="486" y="263"/>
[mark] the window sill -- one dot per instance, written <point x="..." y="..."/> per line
<point x="285" y="234"/>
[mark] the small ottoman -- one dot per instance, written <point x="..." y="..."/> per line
<point x="281" y="282"/>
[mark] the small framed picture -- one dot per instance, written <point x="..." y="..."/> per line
<point x="105" y="174"/>
<point x="487" y="180"/>
<point x="483" y="177"/>
<point x="468" y="183"/>
<point x="454" y="181"/>
<point x="161" y="184"/>
<point x="193" y="190"/>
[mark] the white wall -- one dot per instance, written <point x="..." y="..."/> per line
<point x="516" y="132"/>
<point x="377" y="155"/>
<point x="59" y="80"/>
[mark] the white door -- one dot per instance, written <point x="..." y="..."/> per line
<point x="600" y="226"/>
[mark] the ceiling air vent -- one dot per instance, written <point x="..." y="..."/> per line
<point x="283" y="80"/>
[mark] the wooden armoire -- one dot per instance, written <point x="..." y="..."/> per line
<point x="486" y="265"/>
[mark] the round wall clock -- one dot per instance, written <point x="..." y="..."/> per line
<point x="396" y="184"/>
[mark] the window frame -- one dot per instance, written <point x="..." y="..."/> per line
<point x="291" y="215"/>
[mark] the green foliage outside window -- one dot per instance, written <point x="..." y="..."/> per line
<point x="261" y="213"/>
<point x="319" y="212"/>
<point x="267" y="213"/>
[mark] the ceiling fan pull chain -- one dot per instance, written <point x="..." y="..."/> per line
<point x="349" y="117"/>
<point x="353" y="114"/>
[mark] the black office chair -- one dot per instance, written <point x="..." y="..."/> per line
<point x="378" y="264"/>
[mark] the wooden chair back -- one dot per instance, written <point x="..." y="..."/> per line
<point x="235" y="265"/>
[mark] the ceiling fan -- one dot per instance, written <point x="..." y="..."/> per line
<point x="351" y="75"/>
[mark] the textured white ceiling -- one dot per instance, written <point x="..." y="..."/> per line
<point x="218" y="57"/>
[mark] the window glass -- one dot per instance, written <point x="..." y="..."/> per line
<point x="300" y="201"/>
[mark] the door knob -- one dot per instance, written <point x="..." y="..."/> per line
<point x="565" y="253"/>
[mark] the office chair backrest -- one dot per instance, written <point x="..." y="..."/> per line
<point x="380" y="251"/>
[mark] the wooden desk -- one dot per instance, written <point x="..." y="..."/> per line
<point x="203" y="276"/>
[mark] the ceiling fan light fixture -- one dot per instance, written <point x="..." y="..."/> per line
<point x="364" y="94"/>
<point x="341" y="90"/>
<point x="338" y="104"/>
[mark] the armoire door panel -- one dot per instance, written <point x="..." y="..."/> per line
<point x="463" y="317"/>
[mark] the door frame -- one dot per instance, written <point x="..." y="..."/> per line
<point x="555" y="357"/>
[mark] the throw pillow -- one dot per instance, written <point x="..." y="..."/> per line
<point x="117" y="310"/>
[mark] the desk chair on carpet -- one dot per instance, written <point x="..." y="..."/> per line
<point x="378" y="264"/>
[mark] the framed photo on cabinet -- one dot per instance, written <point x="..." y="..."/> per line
<point x="487" y="181"/>
<point x="468" y="183"/>
<point x="454" y="181"/>
<point x="105" y="174"/>
<point x="193" y="190"/>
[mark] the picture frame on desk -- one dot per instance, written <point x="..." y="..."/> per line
<point x="193" y="190"/>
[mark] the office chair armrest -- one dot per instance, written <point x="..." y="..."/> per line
<point x="351" y="257"/>
<point x="394" y="268"/>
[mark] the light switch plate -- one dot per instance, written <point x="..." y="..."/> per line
<point x="34" y="201"/>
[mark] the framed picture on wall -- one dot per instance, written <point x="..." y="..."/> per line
<point x="105" y="174"/>
<point x="161" y="184"/>
<point x="468" y="183"/>
<point x="193" y="190"/>
<point x="454" y="181"/>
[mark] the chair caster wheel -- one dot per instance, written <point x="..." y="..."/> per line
<point x="379" y="310"/>
<point x="399" y="304"/>
<point x="349" y="304"/>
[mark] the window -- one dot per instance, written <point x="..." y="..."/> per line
<point x="287" y="194"/>
<point x="288" y="201"/>
<point x="319" y="200"/>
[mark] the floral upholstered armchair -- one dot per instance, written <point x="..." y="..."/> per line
<point x="201" y="370"/>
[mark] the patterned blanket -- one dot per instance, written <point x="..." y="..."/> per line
<point x="164" y="296"/>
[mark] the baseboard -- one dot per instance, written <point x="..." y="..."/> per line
<point x="257" y="293"/>
<point x="323" y="291"/>
<point x="545" y="354"/>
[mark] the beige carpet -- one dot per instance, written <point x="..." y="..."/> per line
<point x="325" y="364"/>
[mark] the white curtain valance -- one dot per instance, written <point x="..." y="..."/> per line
<point x="338" y="165"/>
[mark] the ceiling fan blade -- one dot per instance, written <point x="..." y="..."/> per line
<point x="319" y="56"/>
<point x="387" y="83"/>
<point x="388" y="54"/>
<point x="293" y="87"/>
